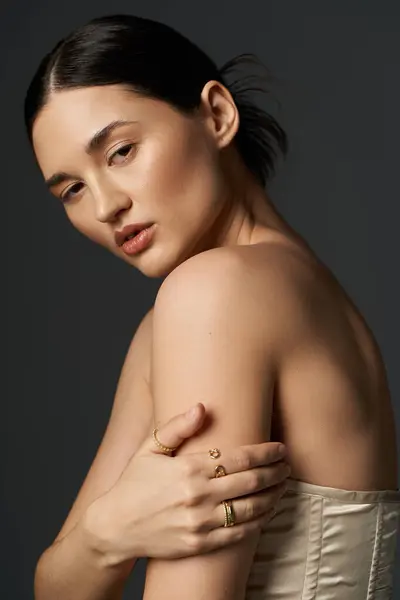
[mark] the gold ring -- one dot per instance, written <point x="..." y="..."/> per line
<point x="164" y="449"/>
<point x="229" y="513"/>
<point x="219" y="470"/>
<point x="214" y="453"/>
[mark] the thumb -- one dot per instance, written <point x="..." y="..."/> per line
<point x="177" y="429"/>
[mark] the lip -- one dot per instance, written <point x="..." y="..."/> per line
<point x="120" y="236"/>
<point x="140" y="242"/>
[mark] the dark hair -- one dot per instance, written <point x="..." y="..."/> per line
<point x="155" y="61"/>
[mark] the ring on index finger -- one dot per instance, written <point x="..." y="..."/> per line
<point x="164" y="449"/>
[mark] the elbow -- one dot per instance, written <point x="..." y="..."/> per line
<point x="39" y="577"/>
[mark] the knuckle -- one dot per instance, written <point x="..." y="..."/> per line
<point x="241" y="534"/>
<point x="244" y="460"/>
<point x="190" y="495"/>
<point x="253" y="480"/>
<point x="188" y="468"/>
<point x="193" y="543"/>
<point x="245" y="530"/>
<point x="238" y="533"/>
<point x="193" y="524"/>
<point x="249" y="511"/>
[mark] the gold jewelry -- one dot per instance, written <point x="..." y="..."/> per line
<point x="229" y="519"/>
<point x="163" y="448"/>
<point x="229" y="513"/>
<point x="219" y="471"/>
<point x="214" y="453"/>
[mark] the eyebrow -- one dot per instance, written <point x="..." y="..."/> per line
<point x="98" y="140"/>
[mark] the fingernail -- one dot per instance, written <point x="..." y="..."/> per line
<point x="192" y="412"/>
<point x="282" y="450"/>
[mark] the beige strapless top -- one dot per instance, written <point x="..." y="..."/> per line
<point x="327" y="544"/>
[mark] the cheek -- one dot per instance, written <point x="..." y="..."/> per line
<point x="183" y="175"/>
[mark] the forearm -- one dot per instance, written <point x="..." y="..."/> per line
<point x="75" y="568"/>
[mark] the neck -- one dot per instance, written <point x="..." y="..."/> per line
<point x="248" y="215"/>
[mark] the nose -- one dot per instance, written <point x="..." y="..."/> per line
<point x="109" y="203"/>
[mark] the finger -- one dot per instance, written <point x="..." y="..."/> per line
<point x="176" y="430"/>
<point x="221" y="536"/>
<point x="251" y="507"/>
<point x="246" y="457"/>
<point x="244" y="483"/>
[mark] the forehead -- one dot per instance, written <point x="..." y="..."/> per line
<point x="71" y="117"/>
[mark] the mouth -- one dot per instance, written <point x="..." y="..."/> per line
<point x="132" y="235"/>
<point x="129" y="232"/>
<point x="138" y="241"/>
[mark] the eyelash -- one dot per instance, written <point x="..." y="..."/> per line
<point x="67" y="195"/>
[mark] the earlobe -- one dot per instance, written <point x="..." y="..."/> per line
<point x="222" y="113"/>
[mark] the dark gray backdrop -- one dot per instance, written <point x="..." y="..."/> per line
<point x="72" y="308"/>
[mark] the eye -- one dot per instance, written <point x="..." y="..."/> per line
<point x="122" y="152"/>
<point x="68" y="195"/>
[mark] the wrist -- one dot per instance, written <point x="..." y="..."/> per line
<point x="99" y="532"/>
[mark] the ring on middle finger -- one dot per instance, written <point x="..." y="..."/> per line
<point x="219" y="469"/>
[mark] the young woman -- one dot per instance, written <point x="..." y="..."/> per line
<point x="156" y="157"/>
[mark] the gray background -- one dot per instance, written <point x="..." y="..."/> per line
<point x="72" y="308"/>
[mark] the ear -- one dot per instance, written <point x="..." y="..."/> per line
<point x="221" y="113"/>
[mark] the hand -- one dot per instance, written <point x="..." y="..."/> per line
<point x="170" y="506"/>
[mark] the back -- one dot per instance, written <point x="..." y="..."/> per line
<point x="331" y="405"/>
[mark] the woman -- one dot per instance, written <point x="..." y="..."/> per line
<point x="135" y="129"/>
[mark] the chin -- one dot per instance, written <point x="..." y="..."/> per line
<point x="151" y="264"/>
<point x="157" y="261"/>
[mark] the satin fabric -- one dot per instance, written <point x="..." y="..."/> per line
<point x="327" y="544"/>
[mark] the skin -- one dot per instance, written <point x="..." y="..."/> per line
<point x="316" y="379"/>
<point x="183" y="174"/>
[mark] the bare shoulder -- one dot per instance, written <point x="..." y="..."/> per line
<point x="291" y="296"/>
<point x="331" y="390"/>
<point x="204" y="268"/>
<point x="208" y="279"/>
<point x="266" y="284"/>
<point x="221" y="289"/>
<point x="280" y="282"/>
<point x="263" y="267"/>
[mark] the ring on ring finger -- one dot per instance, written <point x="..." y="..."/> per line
<point x="229" y="513"/>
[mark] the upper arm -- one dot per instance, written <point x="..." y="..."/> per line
<point x="209" y="347"/>
<point x="129" y="422"/>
